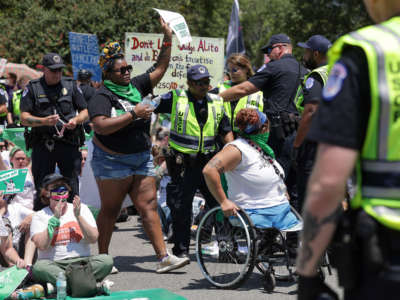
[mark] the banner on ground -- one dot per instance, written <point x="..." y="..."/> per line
<point x="16" y="135"/>
<point x="12" y="181"/>
<point x="142" y="50"/>
<point x="85" y="54"/>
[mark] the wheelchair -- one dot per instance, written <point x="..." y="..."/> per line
<point x="228" y="249"/>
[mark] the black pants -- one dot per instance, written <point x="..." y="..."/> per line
<point x="180" y="193"/>
<point x="282" y="148"/>
<point x="305" y="162"/>
<point x="68" y="159"/>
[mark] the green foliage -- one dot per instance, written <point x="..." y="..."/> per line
<point x="31" y="28"/>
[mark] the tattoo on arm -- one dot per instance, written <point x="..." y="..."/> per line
<point x="32" y="121"/>
<point x="312" y="227"/>
<point x="216" y="163"/>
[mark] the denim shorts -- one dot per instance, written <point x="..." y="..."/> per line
<point x="279" y="216"/>
<point x="113" y="166"/>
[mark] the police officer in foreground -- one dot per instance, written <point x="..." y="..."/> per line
<point x="55" y="109"/>
<point x="197" y="117"/>
<point x="84" y="83"/>
<point x="307" y="99"/>
<point x="278" y="81"/>
<point x="357" y="125"/>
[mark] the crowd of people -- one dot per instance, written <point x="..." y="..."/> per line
<point x="249" y="143"/>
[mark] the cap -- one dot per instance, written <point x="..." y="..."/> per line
<point x="197" y="72"/>
<point x="50" y="178"/>
<point x="84" y="74"/>
<point x="53" y="61"/>
<point x="316" y="43"/>
<point x="276" y="39"/>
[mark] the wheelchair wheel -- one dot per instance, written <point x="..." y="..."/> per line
<point x="269" y="282"/>
<point x="225" y="248"/>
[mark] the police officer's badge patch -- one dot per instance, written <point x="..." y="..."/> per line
<point x="64" y="91"/>
<point x="56" y="58"/>
<point x="25" y="92"/>
<point x="335" y="81"/>
<point x="309" y="83"/>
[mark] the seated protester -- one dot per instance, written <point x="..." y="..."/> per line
<point x="255" y="178"/>
<point x="19" y="160"/>
<point x="63" y="233"/>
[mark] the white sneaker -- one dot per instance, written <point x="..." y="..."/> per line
<point x="171" y="262"/>
<point x="114" y="270"/>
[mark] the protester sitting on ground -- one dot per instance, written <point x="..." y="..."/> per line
<point x="255" y="178"/>
<point x="63" y="233"/>
<point x="122" y="162"/>
<point x="18" y="245"/>
<point x="8" y="252"/>
<point x="19" y="160"/>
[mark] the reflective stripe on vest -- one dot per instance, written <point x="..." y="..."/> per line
<point x="299" y="98"/>
<point x="186" y="135"/>
<point x="378" y="167"/>
<point x="16" y="101"/>
<point x="254" y="100"/>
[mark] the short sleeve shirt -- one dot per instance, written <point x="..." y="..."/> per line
<point x="312" y="89"/>
<point x="342" y="116"/>
<point x="279" y="81"/>
<point x="133" y="138"/>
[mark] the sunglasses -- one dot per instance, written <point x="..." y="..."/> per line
<point x="56" y="70"/>
<point x="59" y="194"/>
<point x="123" y="70"/>
<point x="202" y="82"/>
<point x="269" y="50"/>
<point x="234" y="70"/>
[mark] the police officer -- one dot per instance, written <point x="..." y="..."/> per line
<point x="54" y="107"/>
<point x="14" y="113"/>
<point x="3" y="105"/>
<point x="358" y="125"/>
<point x="197" y="117"/>
<point x="84" y="83"/>
<point x="306" y="100"/>
<point x="278" y="81"/>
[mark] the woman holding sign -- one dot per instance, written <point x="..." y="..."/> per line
<point x="122" y="162"/>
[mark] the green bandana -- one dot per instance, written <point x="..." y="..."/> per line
<point x="261" y="140"/>
<point x="127" y="92"/>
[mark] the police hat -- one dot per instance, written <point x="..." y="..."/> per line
<point x="84" y="74"/>
<point x="197" y="72"/>
<point x="276" y="39"/>
<point x="53" y="61"/>
<point x="50" y="178"/>
<point x="316" y="43"/>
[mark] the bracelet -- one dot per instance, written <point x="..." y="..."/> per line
<point x="133" y="114"/>
<point x="167" y="44"/>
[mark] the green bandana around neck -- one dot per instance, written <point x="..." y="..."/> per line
<point x="261" y="140"/>
<point x="127" y="92"/>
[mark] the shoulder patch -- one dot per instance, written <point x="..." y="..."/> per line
<point x="25" y="92"/>
<point x="309" y="83"/>
<point x="335" y="81"/>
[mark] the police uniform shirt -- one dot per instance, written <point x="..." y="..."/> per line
<point x="279" y="81"/>
<point x="200" y="108"/>
<point x="88" y="91"/>
<point x="312" y="89"/>
<point x="342" y="116"/>
<point x="138" y="131"/>
<point x="52" y="92"/>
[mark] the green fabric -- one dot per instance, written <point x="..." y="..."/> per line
<point x="128" y="92"/>
<point x="16" y="135"/>
<point x="10" y="279"/>
<point x="95" y="211"/>
<point x="224" y="183"/>
<point x="261" y="140"/>
<point x="151" y="294"/>
<point x="52" y="225"/>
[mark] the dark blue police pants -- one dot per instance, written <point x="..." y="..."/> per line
<point x="68" y="159"/>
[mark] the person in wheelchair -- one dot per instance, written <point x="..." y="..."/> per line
<point x="255" y="179"/>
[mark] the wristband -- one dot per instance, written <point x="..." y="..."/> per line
<point x="52" y="225"/>
<point x="167" y="44"/>
<point x="133" y="114"/>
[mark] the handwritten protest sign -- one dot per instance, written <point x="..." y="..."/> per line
<point x="142" y="50"/>
<point x="85" y="53"/>
<point x="178" y="24"/>
<point x="12" y="181"/>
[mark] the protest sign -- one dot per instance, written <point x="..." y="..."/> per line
<point x="85" y="54"/>
<point x="16" y="135"/>
<point x="12" y="181"/>
<point x="178" y="24"/>
<point x="3" y="63"/>
<point x="142" y="50"/>
<point x="10" y="279"/>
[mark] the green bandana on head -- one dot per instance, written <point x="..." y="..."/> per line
<point x="127" y="92"/>
<point x="261" y="140"/>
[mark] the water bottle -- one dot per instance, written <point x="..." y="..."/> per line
<point x="61" y="286"/>
<point x="153" y="102"/>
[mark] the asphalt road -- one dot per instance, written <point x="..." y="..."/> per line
<point x="135" y="259"/>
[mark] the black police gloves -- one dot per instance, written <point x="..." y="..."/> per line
<point x="313" y="288"/>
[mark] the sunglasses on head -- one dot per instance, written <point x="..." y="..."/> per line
<point x="202" y="82"/>
<point x="123" y="70"/>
